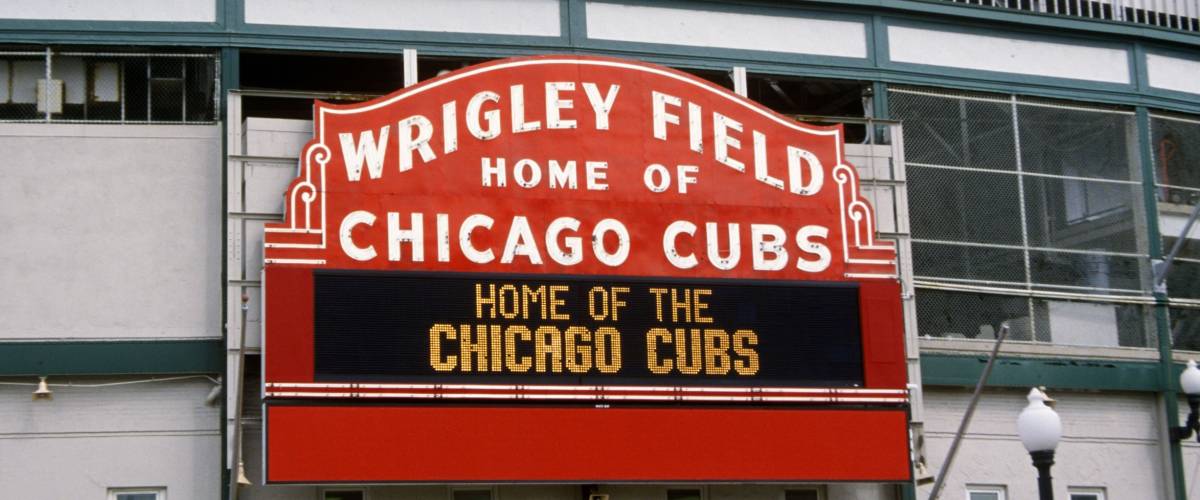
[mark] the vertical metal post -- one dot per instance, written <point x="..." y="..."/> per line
<point x="1162" y="323"/>
<point x="183" y="83"/>
<point x="46" y="87"/>
<point x="1020" y="166"/>
<point x="411" y="75"/>
<point x="149" y="92"/>
<point x="739" y="80"/>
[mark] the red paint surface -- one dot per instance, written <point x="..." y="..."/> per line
<point x="442" y="444"/>
<point x="882" y="335"/>
<point x="289" y="324"/>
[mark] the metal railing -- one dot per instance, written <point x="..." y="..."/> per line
<point x="1183" y="15"/>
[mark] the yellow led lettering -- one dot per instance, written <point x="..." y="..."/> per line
<point x="548" y="342"/>
<point x="742" y="339"/>
<point x="658" y="301"/>
<point x="477" y="349"/>
<point x="436" y="332"/>
<point x="496" y="355"/>
<point x="555" y="302"/>
<point x="716" y="352"/>
<point x="617" y="302"/>
<point x="512" y="300"/>
<point x="653" y="337"/>
<point x="511" y="360"/>
<point x="481" y="300"/>
<point x="699" y="305"/>
<point x="688" y="357"/>
<point x="577" y="354"/>
<point x="685" y="305"/>
<point x="608" y="349"/>
<point x="535" y="295"/>
<point x="600" y="314"/>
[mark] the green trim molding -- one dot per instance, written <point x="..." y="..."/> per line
<point x="133" y="357"/>
<point x="1073" y="374"/>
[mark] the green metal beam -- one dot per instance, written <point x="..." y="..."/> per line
<point x="135" y="357"/>
<point x="1074" y="374"/>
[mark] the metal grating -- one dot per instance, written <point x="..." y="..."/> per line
<point x="1025" y="208"/>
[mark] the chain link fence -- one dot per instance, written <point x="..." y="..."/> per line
<point x="108" y="87"/>
<point x="1027" y="211"/>
<point x="1175" y="143"/>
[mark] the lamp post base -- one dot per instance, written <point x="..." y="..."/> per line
<point x="1042" y="460"/>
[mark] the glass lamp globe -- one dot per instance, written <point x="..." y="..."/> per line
<point x="1189" y="380"/>
<point x="1038" y="425"/>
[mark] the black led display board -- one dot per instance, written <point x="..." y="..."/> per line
<point x="531" y="329"/>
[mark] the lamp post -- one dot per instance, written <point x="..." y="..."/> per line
<point x="1189" y="381"/>
<point x="1040" y="429"/>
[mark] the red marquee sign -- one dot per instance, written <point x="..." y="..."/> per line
<point x="578" y="269"/>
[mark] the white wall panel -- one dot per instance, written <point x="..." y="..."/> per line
<point x="504" y="17"/>
<point x="700" y="28"/>
<point x="86" y="440"/>
<point x="1173" y="73"/>
<point x="201" y="11"/>
<point x="111" y="231"/>
<point x="1101" y="431"/>
<point x="1007" y="55"/>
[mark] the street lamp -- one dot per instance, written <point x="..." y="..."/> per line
<point x="1040" y="429"/>
<point x="1189" y="381"/>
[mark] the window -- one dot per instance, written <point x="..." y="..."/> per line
<point x="1080" y="493"/>
<point x="684" y="494"/>
<point x="344" y="495"/>
<point x="802" y="494"/>
<point x="1042" y="198"/>
<point x="107" y="86"/>
<point x="156" y="493"/>
<point x="986" y="493"/>
<point x="471" y="494"/>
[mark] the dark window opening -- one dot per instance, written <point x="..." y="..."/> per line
<point x="328" y="73"/>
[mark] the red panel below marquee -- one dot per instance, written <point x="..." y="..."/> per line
<point x="370" y="444"/>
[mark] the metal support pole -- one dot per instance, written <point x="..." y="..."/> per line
<point x="1043" y="460"/>
<point x="966" y="421"/>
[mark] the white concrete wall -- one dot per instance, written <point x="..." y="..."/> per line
<point x="1110" y="440"/>
<point x="1007" y="55"/>
<point x="110" y="231"/>
<point x="1173" y="73"/>
<point x="200" y="11"/>
<point x="505" y="17"/>
<point x="701" y="28"/>
<point x="88" y="439"/>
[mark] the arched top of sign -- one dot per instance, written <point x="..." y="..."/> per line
<point x="577" y="165"/>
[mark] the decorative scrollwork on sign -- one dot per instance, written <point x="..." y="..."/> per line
<point x="305" y="207"/>
<point x="857" y="218"/>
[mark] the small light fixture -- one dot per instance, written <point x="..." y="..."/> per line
<point x="1040" y="429"/>
<point x="242" y="480"/>
<point x="1189" y="381"/>
<point x="42" y="393"/>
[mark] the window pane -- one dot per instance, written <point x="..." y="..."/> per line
<point x="683" y="494"/>
<point x="345" y="495"/>
<point x="986" y="495"/>
<point x="137" y="496"/>
<point x="971" y="315"/>
<point x="473" y="495"/>
<point x="1085" y="496"/>
<point x="964" y="206"/>
<point x="1077" y="142"/>
<point x="801" y="495"/>
<point x="950" y="130"/>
